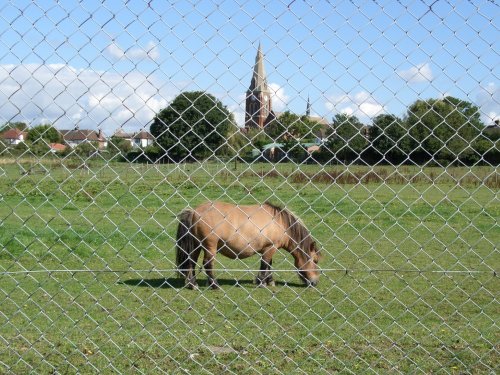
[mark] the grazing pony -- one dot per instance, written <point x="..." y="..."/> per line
<point x="238" y="232"/>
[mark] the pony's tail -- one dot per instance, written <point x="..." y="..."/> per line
<point x="186" y="242"/>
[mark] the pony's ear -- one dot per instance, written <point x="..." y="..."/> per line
<point x="312" y="247"/>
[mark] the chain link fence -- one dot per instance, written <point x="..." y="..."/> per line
<point x="374" y="123"/>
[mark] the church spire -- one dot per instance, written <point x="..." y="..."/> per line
<point x="258" y="101"/>
<point x="308" y="109"/>
<point x="259" y="79"/>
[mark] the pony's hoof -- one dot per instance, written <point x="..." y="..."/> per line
<point x="265" y="284"/>
<point x="215" y="286"/>
<point x="259" y="283"/>
<point x="192" y="286"/>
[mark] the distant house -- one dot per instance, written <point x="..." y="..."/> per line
<point x="57" y="147"/>
<point x="14" y="136"/>
<point x="143" y="139"/>
<point x="75" y="137"/>
<point x="140" y="139"/>
<point x="123" y="135"/>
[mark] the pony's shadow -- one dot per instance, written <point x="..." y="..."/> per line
<point x="177" y="283"/>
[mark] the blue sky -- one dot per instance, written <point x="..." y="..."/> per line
<point x="112" y="65"/>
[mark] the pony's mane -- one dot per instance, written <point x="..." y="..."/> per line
<point x="295" y="228"/>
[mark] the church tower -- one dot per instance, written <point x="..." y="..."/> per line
<point x="258" y="99"/>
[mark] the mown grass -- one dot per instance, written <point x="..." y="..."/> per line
<point x="383" y="302"/>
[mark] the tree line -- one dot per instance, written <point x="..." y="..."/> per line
<point x="443" y="131"/>
<point x="197" y="126"/>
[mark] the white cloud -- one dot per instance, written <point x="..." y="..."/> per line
<point x="361" y="105"/>
<point x="114" y="51"/>
<point x="488" y="101"/>
<point x="239" y="114"/>
<point x="70" y="97"/>
<point x="151" y="51"/>
<point x="238" y="109"/>
<point x="279" y="98"/>
<point x="417" y="74"/>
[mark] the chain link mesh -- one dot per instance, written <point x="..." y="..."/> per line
<point x="374" y="123"/>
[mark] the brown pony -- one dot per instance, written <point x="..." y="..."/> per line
<point x="238" y="232"/>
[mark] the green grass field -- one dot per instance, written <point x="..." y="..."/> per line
<point x="409" y="283"/>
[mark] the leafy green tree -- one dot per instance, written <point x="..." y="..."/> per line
<point x="492" y="154"/>
<point x="152" y="153"/>
<point x="284" y="127"/>
<point x="14" y="125"/>
<point x="389" y="138"/>
<point x="241" y="142"/>
<point x="289" y="126"/>
<point x="238" y="143"/>
<point x="258" y="138"/>
<point x="486" y="150"/>
<point x="345" y="139"/>
<point x="21" y="147"/>
<point x="86" y="149"/>
<point x="39" y="148"/>
<point x="117" y="145"/>
<point x="194" y="126"/>
<point x="44" y="133"/>
<point x="313" y="128"/>
<point x="443" y="129"/>
<point x="493" y="133"/>
<point x="295" y="151"/>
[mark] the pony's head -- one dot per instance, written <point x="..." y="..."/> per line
<point x="300" y="244"/>
<point x="306" y="261"/>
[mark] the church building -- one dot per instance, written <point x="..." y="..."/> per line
<point x="258" y="105"/>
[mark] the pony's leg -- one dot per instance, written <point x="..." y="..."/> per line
<point x="191" y="273"/>
<point x="265" y="277"/>
<point x="208" y="264"/>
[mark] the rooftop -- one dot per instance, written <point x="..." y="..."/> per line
<point x="82" y="134"/>
<point x="12" y="134"/>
